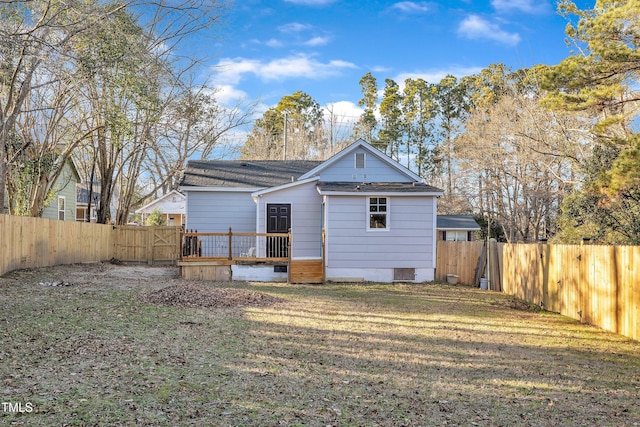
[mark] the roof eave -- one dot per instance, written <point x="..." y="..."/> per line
<point x="158" y="200"/>
<point x="459" y="228"/>
<point x="190" y="188"/>
<point x="264" y="191"/>
<point x="362" y="143"/>
<point x="380" y="192"/>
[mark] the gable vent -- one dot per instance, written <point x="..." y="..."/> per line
<point x="359" y="160"/>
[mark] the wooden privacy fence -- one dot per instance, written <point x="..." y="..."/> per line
<point x="459" y="258"/>
<point x="599" y="285"/>
<point x="153" y="244"/>
<point x="27" y="242"/>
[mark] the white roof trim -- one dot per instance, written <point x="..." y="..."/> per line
<point x="380" y="193"/>
<point x="159" y="199"/>
<point x="188" y="188"/>
<point x="259" y="193"/>
<point x="360" y="143"/>
<point x="458" y="228"/>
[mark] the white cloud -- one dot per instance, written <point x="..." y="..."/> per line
<point x="274" y="43"/>
<point x="380" y="69"/>
<point x="411" y="7"/>
<point x="526" y="6"/>
<point x="302" y="66"/>
<point x="229" y="96"/>
<point x="347" y="111"/>
<point x="317" y="41"/>
<point x="474" y="27"/>
<point x="231" y="71"/>
<point x="294" y="27"/>
<point x="294" y="36"/>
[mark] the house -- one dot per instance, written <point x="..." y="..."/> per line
<point x="83" y="205"/>
<point x="82" y="201"/>
<point x="172" y="206"/>
<point x="63" y="202"/>
<point x="377" y="217"/>
<point x="460" y="228"/>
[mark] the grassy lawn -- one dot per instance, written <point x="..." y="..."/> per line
<point x="94" y="353"/>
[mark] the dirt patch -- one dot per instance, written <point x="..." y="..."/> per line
<point x="517" y="304"/>
<point x="103" y="275"/>
<point x="195" y="295"/>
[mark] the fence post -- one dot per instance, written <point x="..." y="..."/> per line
<point x="150" y="237"/>
<point x="230" y="243"/>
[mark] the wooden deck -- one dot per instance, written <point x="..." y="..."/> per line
<point x="210" y="256"/>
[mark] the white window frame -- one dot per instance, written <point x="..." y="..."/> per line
<point x="458" y="236"/>
<point x="62" y="211"/>
<point x="387" y="213"/>
<point x="364" y="160"/>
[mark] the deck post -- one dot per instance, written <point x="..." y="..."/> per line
<point x="324" y="249"/>
<point x="230" y="243"/>
<point x="290" y="255"/>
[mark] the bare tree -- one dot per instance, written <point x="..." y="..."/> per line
<point x="34" y="34"/>
<point x="194" y="125"/>
<point x="118" y="58"/>
<point x="45" y="135"/>
<point x="521" y="160"/>
<point x="293" y="129"/>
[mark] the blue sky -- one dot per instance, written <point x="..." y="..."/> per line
<point x="270" y="49"/>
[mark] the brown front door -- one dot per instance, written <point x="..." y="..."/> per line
<point x="278" y="221"/>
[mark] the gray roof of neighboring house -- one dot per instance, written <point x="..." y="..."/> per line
<point x="456" y="222"/>
<point x="377" y="187"/>
<point x="244" y="173"/>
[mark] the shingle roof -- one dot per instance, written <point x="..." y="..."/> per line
<point x="377" y="187"/>
<point x="244" y="173"/>
<point x="457" y="222"/>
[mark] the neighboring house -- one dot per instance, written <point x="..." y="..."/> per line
<point x="378" y="217"/>
<point x="82" y="203"/>
<point x="172" y="206"/>
<point x="63" y="199"/>
<point x="63" y="203"/>
<point x="460" y="228"/>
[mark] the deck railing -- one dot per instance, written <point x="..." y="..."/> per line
<point x="234" y="246"/>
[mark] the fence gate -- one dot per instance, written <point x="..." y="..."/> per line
<point x="156" y="244"/>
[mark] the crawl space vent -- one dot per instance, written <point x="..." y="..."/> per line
<point x="404" y="274"/>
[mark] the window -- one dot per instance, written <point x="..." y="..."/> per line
<point x="378" y="213"/>
<point x="456" y="236"/>
<point x="61" y="208"/>
<point x="360" y="161"/>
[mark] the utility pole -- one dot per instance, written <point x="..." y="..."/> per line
<point x="331" y="133"/>
<point x="284" y="151"/>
